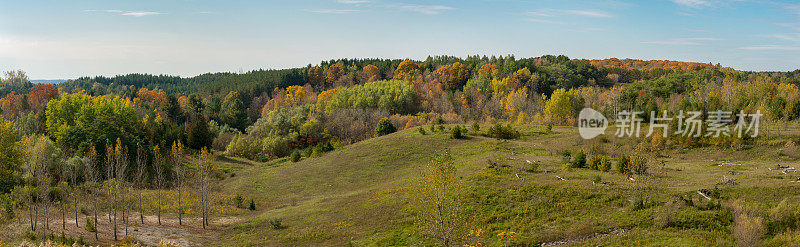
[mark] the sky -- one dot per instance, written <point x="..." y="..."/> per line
<point x="59" y="39"/>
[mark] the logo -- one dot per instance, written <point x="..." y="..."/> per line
<point x="591" y="123"/>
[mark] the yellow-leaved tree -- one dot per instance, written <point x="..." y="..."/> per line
<point x="439" y="204"/>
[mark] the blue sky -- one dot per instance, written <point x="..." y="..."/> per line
<point x="65" y="39"/>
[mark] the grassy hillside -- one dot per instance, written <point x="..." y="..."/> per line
<point x="359" y="194"/>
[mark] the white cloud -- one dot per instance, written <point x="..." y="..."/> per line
<point x="770" y="48"/>
<point x="333" y="11"/>
<point x="125" y="12"/>
<point x="141" y="13"/>
<point x="426" y="9"/>
<point x="589" y="13"/>
<point x="692" y="3"/>
<point x="681" y="41"/>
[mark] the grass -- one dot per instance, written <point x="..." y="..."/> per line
<point x="357" y="194"/>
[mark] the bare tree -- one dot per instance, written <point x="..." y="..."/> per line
<point x="159" y="183"/>
<point x="63" y="186"/>
<point x="141" y="172"/>
<point x="43" y="179"/>
<point x="177" y="152"/>
<point x="74" y="168"/>
<point x="91" y="177"/>
<point x="121" y="153"/>
<point x="204" y="169"/>
<point x="111" y="166"/>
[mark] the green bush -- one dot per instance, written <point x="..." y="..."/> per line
<point x="295" y="156"/>
<point x="638" y="164"/>
<point x="605" y="163"/>
<point x="579" y="161"/>
<point x="276" y="223"/>
<point x="90" y="226"/>
<point x="566" y="156"/>
<point x="623" y="164"/>
<point x="457" y="132"/>
<point x="594" y="162"/>
<point x="384" y="127"/>
<point x="422" y="131"/>
<point x="502" y="132"/>
<point x="476" y="127"/>
<point x="252" y="205"/>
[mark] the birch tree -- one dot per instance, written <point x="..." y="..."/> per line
<point x="159" y="181"/>
<point x="91" y="177"/>
<point x="177" y="152"/>
<point x="204" y="169"/>
<point x="141" y="172"/>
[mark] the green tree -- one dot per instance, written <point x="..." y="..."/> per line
<point x="10" y="157"/>
<point x="438" y="202"/>
<point x="384" y="127"/>
<point x="563" y="106"/>
<point x="197" y="133"/>
<point x="233" y="112"/>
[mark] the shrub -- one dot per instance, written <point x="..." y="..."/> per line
<point x="422" y="131"/>
<point x="533" y="167"/>
<point x="252" y="205"/>
<point x="596" y="179"/>
<point x="384" y="127"/>
<point x="90" y="226"/>
<point x="276" y="223"/>
<point x="566" y="156"/>
<point x="476" y="127"/>
<point x="784" y="216"/>
<point x="594" y="162"/>
<point x="502" y="132"/>
<point x="549" y="128"/>
<point x="747" y="230"/>
<point x="238" y="201"/>
<point x="295" y="156"/>
<point x="605" y="163"/>
<point x="664" y="217"/>
<point x="457" y="132"/>
<point x="623" y="165"/>
<point x="579" y="161"/>
<point x="440" y="128"/>
<point x="638" y="164"/>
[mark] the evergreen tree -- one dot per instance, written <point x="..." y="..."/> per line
<point x="197" y="133"/>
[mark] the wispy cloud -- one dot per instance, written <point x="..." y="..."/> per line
<point x="334" y="11"/>
<point x="692" y="3"/>
<point x="770" y="48"/>
<point x="570" y="12"/>
<point x="352" y="1"/>
<point x="543" y="21"/>
<point x="681" y="41"/>
<point x="141" y="13"/>
<point x="426" y="9"/>
<point x="588" y="13"/>
<point x="125" y="12"/>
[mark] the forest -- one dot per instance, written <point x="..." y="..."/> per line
<point x="138" y="145"/>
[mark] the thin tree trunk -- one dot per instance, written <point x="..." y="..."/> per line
<point x="180" y="210"/>
<point x="63" y="218"/>
<point x="96" y="227"/>
<point x="141" y="208"/>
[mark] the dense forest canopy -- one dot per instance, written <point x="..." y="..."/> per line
<point x="264" y="114"/>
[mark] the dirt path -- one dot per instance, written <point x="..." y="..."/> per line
<point x="150" y="233"/>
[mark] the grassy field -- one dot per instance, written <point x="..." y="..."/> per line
<point x="359" y="194"/>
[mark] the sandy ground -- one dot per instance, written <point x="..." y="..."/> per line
<point x="150" y="233"/>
